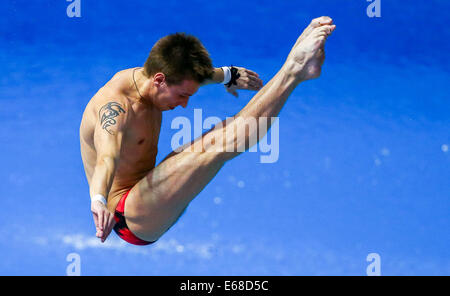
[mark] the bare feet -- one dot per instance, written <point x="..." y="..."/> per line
<point x="315" y="23"/>
<point x="308" y="54"/>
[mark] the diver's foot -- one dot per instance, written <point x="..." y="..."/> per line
<point x="317" y="22"/>
<point x="308" y="54"/>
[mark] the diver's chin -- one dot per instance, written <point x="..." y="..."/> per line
<point x="167" y="108"/>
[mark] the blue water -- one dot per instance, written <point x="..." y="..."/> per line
<point x="364" y="165"/>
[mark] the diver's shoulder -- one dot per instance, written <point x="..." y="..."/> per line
<point x="113" y="92"/>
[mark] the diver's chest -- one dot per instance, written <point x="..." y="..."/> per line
<point x="143" y="135"/>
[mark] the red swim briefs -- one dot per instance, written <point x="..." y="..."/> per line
<point x="121" y="227"/>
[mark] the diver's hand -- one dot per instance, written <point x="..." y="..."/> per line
<point x="247" y="80"/>
<point x="103" y="219"/>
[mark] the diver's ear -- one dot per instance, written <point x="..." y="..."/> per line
<point x="159" y="79"/>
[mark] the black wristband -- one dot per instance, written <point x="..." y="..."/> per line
<point x="234" y="76"/>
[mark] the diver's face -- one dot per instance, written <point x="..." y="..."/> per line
<point x="169" y="97"/>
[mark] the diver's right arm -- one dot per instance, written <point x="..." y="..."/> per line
<point x="108" y="136"/>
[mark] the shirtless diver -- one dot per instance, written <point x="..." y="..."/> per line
<point x="121" y="124"/>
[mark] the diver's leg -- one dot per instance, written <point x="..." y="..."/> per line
<point x="156" y="202"/>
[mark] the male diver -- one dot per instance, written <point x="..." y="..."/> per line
<point x="121" y="124"/>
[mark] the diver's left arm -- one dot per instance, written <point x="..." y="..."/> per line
<point x="240" y="78"/>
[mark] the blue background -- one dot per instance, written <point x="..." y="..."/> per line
<point x="363" y="165"/>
